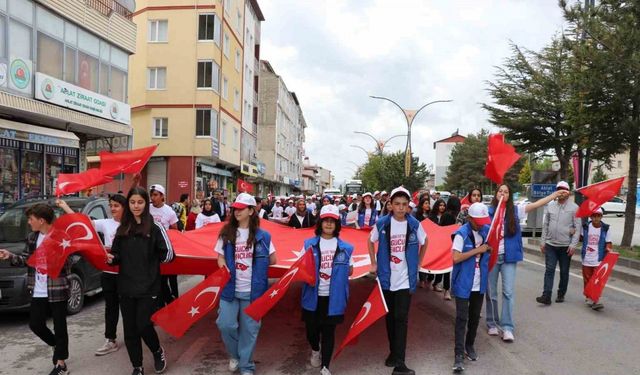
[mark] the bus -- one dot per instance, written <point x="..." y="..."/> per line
<point x="353" y="187"/>
<point x="332" y="192"/>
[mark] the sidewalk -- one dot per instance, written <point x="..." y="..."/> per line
<point x="626" y="269"/>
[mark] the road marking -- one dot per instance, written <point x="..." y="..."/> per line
<point x="580" y="277"/>
<point x="193" y="350"/>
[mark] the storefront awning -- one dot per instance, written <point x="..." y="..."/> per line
<point x="37" y="134"/>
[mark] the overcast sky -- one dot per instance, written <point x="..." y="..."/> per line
<point x="334" y="54"/>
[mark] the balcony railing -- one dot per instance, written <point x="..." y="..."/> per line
<point x="107" y="7"/>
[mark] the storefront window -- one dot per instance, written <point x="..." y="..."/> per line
<point x="70" y="164"/>
<point x="8" y="175"/>
<point x="87" y="72"/>
<point x="50" y="56"/>
<point x="31" y="174"/>
<point x="54" y="166"/>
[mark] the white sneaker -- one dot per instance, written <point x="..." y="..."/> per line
<point x="315" y="359"/>
<point x="108" y="347"/>
<point x="233" y="365"/>
<point x="325" y="371"/>
<point x="493" y="331"/>
<point x="508" y="336"/>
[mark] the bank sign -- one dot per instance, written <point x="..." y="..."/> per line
<point x="55" y="91"/>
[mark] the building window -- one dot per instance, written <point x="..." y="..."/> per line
<point x="226" y="45"/>
<point x="157" y="79"/>
<point x="225" y="88"/>
<point x="620" y="164"/>
<point x="239" y="22"/>
<point x="19" y="40"/>
<point x="88" y="72"/>
<point x="209" y="27"/>
<point x="50" y="56"/>
<point x="208" y="75"/>
<point x="237" y="62"/>
<point x="223" y="133"/>
<point x="236" y="139"/>
<point x="158" y="30"/>
<point x="70" y="64"/>
<point x="236" y="100"/>
<point x="160" y="127"/>
<point x="118" y="84"/>
<point x="206" y="123"/>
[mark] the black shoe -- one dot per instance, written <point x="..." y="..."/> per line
<point x="390" y="361"/>
<point x="159" y="361"/>
<point x="59" y="370"/>
<point x="471" y="354"/>
<point x="544" y="299"/>
<point x="138" y="371"/>
<point x="402" y="370"/>
<point x="458" y="364"/>
<point x="560" y="298"/>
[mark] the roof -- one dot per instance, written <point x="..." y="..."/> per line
<point x="455" y="138"/>
<point x="256" y="8"/>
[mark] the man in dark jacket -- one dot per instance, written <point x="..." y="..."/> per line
<point x="302" y="218"/>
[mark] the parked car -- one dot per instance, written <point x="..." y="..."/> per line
<point x="615" y="206"/>
<point x="84" y="279"/>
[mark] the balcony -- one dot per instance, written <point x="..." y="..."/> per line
<point x="107" y="7"/>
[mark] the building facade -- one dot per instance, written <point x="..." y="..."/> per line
<point x="187" y="93"/>
<point x="443" y="149"/>
<point x="63" y="84"/>
<point x="281" y="127"/>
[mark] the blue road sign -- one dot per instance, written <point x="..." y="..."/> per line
<point x="542" y="190"/>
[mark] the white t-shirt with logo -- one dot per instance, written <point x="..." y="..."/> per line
<point x="327" y="252"/>
<point x="458" y="245"/>
<point x="163" y="215"/>
<point x="367" y="216"/>
<point x="40" y="288"/>
<point x="399" y="271"/>
<point x="277" y="212"/>
<point x="521" y="213"/>
<point x="243" y="259"/>
<point x="202" y="220"/>
<point x="290" y="210"/>
<point x="591" y="253"/>
<point x="108" y="228"/>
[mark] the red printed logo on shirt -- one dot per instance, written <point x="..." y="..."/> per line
<point x="324" y="276"/>
<point x="241" y="267"/>
<point x="395" y="259"/>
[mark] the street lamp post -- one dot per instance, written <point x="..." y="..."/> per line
<point x="409" y="115"/>
<point x="362" y="148"/>
<point x="380" y="144"/>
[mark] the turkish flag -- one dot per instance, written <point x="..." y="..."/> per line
<point x="597" y="195"/>
<point x="133" y="161"/>
<point x="244" y="186"/>
<point x="373" y="309"/>
<point x="69" y="234"/>
<point x="178" y="316"/>
<point x="303" y="269"/>
<point x="69" y="183"/>
<point x="465" y="201"/>
<point x="414" y="196"/>
<point x="500" y="157"/>
<point x="496" y="232"/>
<point x="438" y="258"/>
<point x="596" y="284"/>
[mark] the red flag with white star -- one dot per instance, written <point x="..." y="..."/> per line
<point x="244" y="186"/>
<point x="303" y="269"/>
<point x="598" y="194"/>
<point x="178" y="316"/>
<point x="131" y="161"/>
<point x="69" y="234"/>
<point x="496" y="232"/>
<point x="594" y="287"/>
<point x="69" y="183"/>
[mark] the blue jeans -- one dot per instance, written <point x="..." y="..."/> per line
<point x="508" y="271"/>
<point x="552" y="256"/>
<point x="238" y="330"/>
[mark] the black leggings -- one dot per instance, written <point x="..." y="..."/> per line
<point x="38" y="311"/>
<point x="136" y="320"/>
<point x="111" y="304"/>
<point x="445" y="277"/>
<point x="325" y="333"/>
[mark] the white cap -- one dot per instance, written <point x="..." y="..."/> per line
<point x="330" y="210"/>
<point x="342" y="207"/>
<point x="383" y="192"/>
<point x="562" y="185"/>
<point x="290" y="201"/>
<point x="313" y="196"/>
<point x="412" y="205"/>
<point x="354" y="196"/>
<point x="598" y="211"/>
<point x="336" y="198"/>
<point x="157" y="187"/>
<point x="376" y="192"/>
<point x="480" y="213"/>
<point x="244" y="200"/>
<point x="400" y="190"/>
<point x="366" y="194"/>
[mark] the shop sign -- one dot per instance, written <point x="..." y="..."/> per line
<point x="64" y="94"/>
<point x="213" y="170"/>
<point x="262" y="168"/>
<point x="248" y="169"/>
<point x="215" y="148"/>
<point x="44" y="139"/>
<point x="20" y="72"/>
<point x="183" y="184"/>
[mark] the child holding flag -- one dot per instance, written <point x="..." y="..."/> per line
<point x="247" y="251"/>
<point x="596" y="243"/>
<point x="323" y="304"/>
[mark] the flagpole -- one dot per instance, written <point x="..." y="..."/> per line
<point x="495" y="216"/>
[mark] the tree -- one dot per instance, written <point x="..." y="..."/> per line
<point x="466" y="169"/>
<point x="599" y="176"/>
<point x="386" y="171"/>
<point x="525" y="174"/>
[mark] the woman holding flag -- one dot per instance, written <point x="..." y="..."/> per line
<point x="506" y="220"/>
<point x="323" y="304"/>
<point x="247" y="251"/>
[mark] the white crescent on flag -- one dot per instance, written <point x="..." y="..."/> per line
<point x="212" y="289"/>
<point x="88" y="235"/>
<point x="367" y="308"/>
<point x="601" y="272"/>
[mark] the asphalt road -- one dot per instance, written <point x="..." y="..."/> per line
<point x="566" y="338"/>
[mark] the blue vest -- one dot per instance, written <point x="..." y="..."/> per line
<point x="372" y="218"/>
<point x="343" y="218"/>
<point x="339" y="285"/>
<point x="512" y="244"/>
<point x="412" y="249"/>
<point x="463" y="272"/>
<point x="602" y="244"/>
<point x="260" y="267"/>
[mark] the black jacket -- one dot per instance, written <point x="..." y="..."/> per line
<point x="307" y="222"/>
<point x="139" y="258"/>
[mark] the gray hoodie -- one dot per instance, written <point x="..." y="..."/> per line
<point x="560" y="226"/>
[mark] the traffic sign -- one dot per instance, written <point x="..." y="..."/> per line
<point x="542" y="190"/>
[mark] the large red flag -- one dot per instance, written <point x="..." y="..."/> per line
<point x="465" y="201"/>
<point x="302" y="270"/>
<point x="594" y="287"/>
<point x="244" y="186"/>
<point x="500" y="157"/>
<point x="438" y="258"/>
<point x="373" y="309"/>
<point x="597" y="195"/>
<point x="178" y="316"/>
<point x="496" y="232"/>
<point x="69" y="234"/>
<point x="69" y="183"/>
<point x="132" y="161"/>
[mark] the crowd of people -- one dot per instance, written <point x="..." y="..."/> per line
<point x="137" y="241"/>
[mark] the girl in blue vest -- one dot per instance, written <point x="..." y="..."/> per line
<point x="596" y="243"/>
<point x="323" y="305"/>
<point x="247" y="251"/>
<point x="367" y="214"/>
<point x="470" y="270"/>
<point x="509" y="254"/>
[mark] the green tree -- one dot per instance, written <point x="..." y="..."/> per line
<point x="599" y="176"/>
<point x="525" y="174"/>
<point x="386" y="171"/>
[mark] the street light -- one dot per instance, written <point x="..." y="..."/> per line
<point x="409" y="115"/>
<point x="380" y="144"/>
<point x="362" y="148"/>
